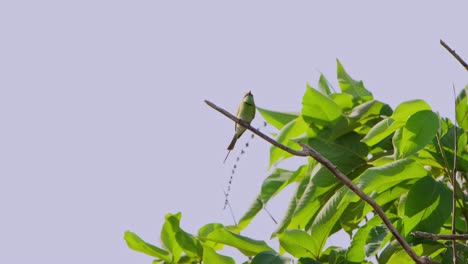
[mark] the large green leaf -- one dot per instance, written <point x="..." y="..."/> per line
<point x="298" y="243"/>
<point x="419" y="130"/>
<point x="136" y="243"/>
<point x="427" y="206"/>
<point x="350" y="86"/>
<point x="246" y="245"/>
<point x="319" y="109"/>
<point x="389" y="125"/>
<point x="277" y="119"/>
<point x="379" y="179"/>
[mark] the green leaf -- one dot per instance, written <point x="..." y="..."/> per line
<point x="247" y="246"/>
<point x="461" y="109"/>
<point x="293" y="129"/>
<point x="272" y="185"/>
<point x="408" y="108"/>
<point x="352" y="217"/>
<point x="168" y="235"/>
<point x="298" y="243"/>
<point x="345" y="101"/>
<point x="427" y="206"/>
<point x="379" y="179"/>
<point x="389" y="125"/>
<point x="375" y="239"/>
<point x="189" y="244"/>
<point x="430" y="250"/>
<point x="269" y="257"/>
<point x="323" y="85"/>
<point x="136" y="243"/>
<point x="278" y="180"/>
<point x="419" y="130"/>
<point x="210" y="256"/>
<point x="293" y="204"/>
<point x="319" y="109"/>
<point x="352" y="87"/>
<point x="277" y="119"/>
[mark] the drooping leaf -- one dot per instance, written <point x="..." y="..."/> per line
<point x="136" y="243"/>
<point x="246" y="245"/>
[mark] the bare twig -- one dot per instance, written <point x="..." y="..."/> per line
<point x="434" y="237"/>
<point x="309" y="151"/>
<point x="454" y="54"/>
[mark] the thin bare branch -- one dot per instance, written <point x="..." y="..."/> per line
<point x="434" y="237"/>
<point x="257" y="132"/>
<point x="309" y="151"/>
<point x="454" y="54"/>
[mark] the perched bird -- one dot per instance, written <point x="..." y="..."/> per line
<point x="246" y="113"/>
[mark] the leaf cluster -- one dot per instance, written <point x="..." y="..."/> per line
<point x="403" y="158"/>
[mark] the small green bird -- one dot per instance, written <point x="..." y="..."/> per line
<point x="246" y="113"/>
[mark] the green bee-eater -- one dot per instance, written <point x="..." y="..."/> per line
<point x="245" y="112"/>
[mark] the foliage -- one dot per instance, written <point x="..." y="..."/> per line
<point x="402" y="158"/>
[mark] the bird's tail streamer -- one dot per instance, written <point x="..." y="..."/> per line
<point x="234" y="167"/>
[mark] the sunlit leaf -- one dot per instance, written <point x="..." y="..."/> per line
<point x="419" y="130"/>
<point x="246" y="245"/>
<point x="350" y="86"/>
<point x="318" y="108"/>
<point x="277" y="119"/>
<point x="298" y="243"/>
<point x="136" y="243"/>
<point x="210" y="256"/>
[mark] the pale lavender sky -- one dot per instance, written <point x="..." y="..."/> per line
<point x="103" y="125"/>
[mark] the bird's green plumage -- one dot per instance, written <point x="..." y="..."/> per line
<point x="245" y="112"/>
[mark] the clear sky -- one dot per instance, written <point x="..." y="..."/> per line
<point x="103" y="125"/>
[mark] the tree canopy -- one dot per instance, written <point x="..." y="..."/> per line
<point x="409" y="160"/>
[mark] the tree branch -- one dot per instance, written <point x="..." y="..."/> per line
<point x="434" y="237"/>
<point x="309" y="151"/>
<point x="454" y="54"/>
